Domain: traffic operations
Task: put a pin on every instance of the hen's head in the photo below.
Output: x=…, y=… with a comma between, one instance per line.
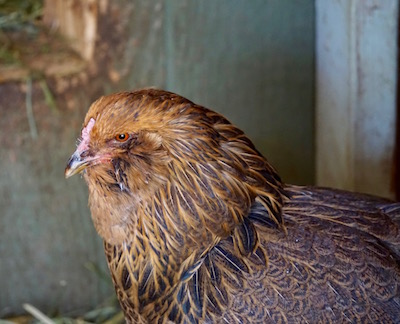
x=132, y=130
x=155, y=148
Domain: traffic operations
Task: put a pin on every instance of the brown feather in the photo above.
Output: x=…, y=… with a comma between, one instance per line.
x=198, y=227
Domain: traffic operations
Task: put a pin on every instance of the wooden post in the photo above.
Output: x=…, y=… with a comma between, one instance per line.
x=75, y=19
x=356, y=94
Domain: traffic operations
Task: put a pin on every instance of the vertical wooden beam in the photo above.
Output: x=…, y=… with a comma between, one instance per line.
x=396, y=161
x=76, y=20
x=356, y=94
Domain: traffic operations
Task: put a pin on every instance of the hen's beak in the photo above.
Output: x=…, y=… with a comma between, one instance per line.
x=76, y=164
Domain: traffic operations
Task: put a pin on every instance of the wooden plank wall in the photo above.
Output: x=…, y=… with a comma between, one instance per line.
x=251, y=60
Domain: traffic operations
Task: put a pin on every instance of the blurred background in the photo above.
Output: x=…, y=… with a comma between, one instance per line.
x=312, y=82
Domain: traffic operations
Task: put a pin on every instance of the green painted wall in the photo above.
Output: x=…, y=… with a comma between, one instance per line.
x=251, y=60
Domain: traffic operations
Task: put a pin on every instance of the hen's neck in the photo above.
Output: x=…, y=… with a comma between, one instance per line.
x=157, y=238
x=162, y=251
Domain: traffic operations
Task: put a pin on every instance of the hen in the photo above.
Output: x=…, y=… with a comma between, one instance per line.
x=198, y=227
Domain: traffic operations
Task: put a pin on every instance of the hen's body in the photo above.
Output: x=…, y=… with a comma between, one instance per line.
x=337, y=261
x=199, y=228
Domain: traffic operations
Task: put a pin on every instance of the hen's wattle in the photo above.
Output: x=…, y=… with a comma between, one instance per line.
x=198, y=227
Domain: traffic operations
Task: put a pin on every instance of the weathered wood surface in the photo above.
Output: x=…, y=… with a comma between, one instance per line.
x=356, y=94
x=76, y=20
x=253, y=61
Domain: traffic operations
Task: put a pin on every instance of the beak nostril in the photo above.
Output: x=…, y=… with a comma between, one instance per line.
x=77, y=163
x=85, y=154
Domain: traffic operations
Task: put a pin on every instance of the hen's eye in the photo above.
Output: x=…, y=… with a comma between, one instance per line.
x=122, y=137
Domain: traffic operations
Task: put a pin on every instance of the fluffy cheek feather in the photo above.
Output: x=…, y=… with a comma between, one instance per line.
x=110, y=212
x=117, y=198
